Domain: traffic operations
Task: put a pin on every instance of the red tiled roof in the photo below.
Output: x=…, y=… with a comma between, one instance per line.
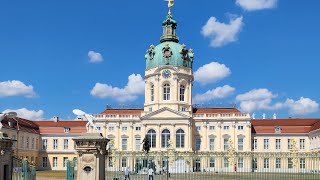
x=60, y=123
x=21, y=124
x=292, y=125
x=122, y=111
x=51, y=127
x=215, y=110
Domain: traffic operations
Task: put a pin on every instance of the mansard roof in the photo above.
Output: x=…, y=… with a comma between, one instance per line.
x=290, y=125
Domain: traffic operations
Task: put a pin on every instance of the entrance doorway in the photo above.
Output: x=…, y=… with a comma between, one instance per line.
x=6, y=172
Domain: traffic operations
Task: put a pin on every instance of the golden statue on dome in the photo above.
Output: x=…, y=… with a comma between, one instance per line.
x=170, y=4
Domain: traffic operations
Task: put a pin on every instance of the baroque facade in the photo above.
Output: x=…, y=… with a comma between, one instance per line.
x=206, y=135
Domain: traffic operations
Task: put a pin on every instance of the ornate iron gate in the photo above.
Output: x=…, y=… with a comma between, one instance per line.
x=71, y=169
x=22, y=169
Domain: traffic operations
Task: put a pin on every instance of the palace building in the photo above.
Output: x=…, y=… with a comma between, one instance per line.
x=203, y=139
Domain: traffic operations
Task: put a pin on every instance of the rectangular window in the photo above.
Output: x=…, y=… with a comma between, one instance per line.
x=125, y=128
x=138, y=144
x=265, y=143
x=37, y=143
x=211, y=128
x=290, y=163
x=278, y=163
x=66, y=144
x=124, y=162
x=254, y=144
x=44, y=144
x=198, y=128
x=110, y=128
x=289, y=143
x=138, y=128
x=166, y=92
x=182, y=91
x=240, y=128
x=66, y=130
x=198, y=143
x=14, y=143
x=254, y=163
x=55, y=143
x=55, y=161
x=278, y=144
x=28, y=141
x=124, y=144
x=226, y=162
x=152, y=93
x=302, y=163
x=226, y=144
x=302, y=144
x=266, y=163
x=44, y=161
x=226, y=128
x=211, y=144
x=240, y=144
x=21, y=142
x=32, y=143
x=65, y=159
x=240, y=163
x=212, y=162
x=110, y=162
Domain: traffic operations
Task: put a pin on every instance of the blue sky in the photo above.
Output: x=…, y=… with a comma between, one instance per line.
x=262, y=55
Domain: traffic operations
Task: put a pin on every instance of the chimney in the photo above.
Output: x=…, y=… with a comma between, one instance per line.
x=274, y=116
x=55, y=119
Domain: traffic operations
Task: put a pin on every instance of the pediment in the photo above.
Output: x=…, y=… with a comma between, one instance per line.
x=165, y=113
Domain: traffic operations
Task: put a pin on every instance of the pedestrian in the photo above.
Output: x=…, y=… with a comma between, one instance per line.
x=150, y=174
x=126, y=173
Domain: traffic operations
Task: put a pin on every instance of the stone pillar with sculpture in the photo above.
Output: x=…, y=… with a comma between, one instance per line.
x=91, y=151
x=6, y=153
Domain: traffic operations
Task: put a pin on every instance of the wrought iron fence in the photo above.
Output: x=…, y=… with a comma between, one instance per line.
x=218, y=165
x=22, y=169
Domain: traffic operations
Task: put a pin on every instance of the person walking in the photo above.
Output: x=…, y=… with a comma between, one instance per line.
x=126, y=174
x=150, y=174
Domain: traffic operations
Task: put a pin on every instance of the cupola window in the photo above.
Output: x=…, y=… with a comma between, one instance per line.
x=182, y=91
x=152, y=93
x=166, y=92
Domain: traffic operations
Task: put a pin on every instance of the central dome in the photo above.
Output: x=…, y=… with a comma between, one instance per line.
x=169, y=51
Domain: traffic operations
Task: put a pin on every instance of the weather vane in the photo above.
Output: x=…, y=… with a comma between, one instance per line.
x=170, y=4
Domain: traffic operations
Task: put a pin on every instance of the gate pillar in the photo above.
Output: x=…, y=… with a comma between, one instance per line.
x=91, y=151
x=5, y=157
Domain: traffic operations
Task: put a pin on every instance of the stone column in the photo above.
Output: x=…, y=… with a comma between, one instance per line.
x=91, y=150
x=6, y=152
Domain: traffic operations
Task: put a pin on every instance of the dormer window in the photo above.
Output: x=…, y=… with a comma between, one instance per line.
x=66, y=130
x=277, y=129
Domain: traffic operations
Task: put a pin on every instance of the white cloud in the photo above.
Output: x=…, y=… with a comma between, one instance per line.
x=130, y=92
x=261, y=99
x=217, y=93
x=95, y=57
x=256, y=94
x=16, y=88
x=27, y=114
x=210, y=73
x=302, y=106
x=252, y=5
x=222, y=33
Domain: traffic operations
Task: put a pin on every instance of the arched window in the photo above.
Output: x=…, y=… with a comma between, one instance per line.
x=166, y=92
x=182, y=91
x=180, y=139
x=165, y=136
x=151, y=135
x=152, y=93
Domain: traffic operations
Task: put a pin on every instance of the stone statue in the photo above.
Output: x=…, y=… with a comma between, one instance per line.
x=146, y=144
x=1, y=118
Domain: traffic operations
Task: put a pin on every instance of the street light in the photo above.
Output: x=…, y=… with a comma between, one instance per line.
x=8, y=115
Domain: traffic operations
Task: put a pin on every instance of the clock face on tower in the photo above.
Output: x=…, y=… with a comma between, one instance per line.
x=166, y=73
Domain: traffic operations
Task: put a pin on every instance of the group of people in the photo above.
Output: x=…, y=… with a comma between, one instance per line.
x=127, y=174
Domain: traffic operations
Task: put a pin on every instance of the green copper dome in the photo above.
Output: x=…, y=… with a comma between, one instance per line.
x=169, y=51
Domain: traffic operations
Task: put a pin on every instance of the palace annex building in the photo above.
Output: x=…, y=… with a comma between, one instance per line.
x=170, y=121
